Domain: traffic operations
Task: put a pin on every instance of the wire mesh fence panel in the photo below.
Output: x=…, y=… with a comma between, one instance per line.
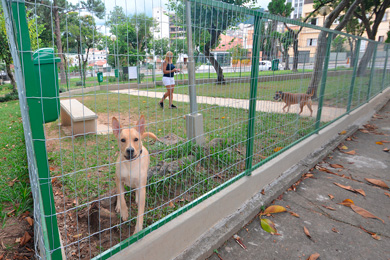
x=118, y=141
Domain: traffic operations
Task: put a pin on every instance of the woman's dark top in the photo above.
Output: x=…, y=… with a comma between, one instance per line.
x=170, y=67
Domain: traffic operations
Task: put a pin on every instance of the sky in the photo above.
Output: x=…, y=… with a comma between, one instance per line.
x=141, y=6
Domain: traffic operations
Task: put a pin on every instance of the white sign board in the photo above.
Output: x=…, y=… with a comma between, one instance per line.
x=132, y=72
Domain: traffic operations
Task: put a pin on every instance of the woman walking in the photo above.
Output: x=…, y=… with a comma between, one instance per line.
x=168, y=79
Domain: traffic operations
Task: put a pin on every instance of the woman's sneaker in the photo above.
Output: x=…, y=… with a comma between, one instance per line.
x=173, y=106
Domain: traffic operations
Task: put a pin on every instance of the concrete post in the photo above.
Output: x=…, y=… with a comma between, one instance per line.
x=194, y=121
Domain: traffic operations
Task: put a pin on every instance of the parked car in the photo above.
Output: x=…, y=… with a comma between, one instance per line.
x=267, y=65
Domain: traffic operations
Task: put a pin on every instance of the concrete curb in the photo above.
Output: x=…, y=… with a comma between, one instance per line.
x=195, y=233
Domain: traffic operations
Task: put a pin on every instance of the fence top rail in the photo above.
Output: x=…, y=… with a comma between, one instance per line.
x=262, y=14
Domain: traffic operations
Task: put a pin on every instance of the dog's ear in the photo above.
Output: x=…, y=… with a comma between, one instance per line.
x=116, y=126
x=141, y=124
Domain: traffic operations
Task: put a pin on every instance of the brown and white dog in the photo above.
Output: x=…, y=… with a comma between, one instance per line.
x=132, y=167
x=295, y=98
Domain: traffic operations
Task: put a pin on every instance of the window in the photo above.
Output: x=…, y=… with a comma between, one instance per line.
x=381, y=39
x=311, y=42
x=313, y=21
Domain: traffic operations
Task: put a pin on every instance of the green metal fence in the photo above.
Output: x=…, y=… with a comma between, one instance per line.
x=245, y=120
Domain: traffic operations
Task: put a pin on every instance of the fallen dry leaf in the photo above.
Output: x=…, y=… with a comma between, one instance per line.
x=274, y=209
x=277, y=149
x=30, y=221
x=344, y=147
x=384, y=141
x=364, y=131
x=386, y=150
x=314, y=256
x=262, y=192
x=347, y=203
x=306, y=231
x=25, y=239
x=352, y=152
x=171, y=204
x=327, y=207
x=360, y=191
x=294, y=214
x=364, y=213
x=336, y=165
x=377, y=183
x=387, y=194
x=379, y=143
x=375, y=236
x=331, y=196
x=335, y=230
x=343, y=132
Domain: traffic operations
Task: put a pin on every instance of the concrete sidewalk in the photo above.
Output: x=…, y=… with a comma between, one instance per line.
x=328, y=113
x=336, y=231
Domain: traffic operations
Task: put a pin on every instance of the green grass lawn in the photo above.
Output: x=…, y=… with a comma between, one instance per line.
x=15, y=192
x=5, y=89
x=92, y=81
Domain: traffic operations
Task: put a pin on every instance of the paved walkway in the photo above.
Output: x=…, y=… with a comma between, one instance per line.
x=328, y=113
x=337, y=231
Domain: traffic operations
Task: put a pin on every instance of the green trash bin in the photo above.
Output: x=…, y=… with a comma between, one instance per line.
x=116, y=73
x=100, y=77
x=45, y=68
x=275, y=64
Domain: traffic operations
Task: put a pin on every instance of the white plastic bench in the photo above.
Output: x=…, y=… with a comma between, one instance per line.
x=81, y=118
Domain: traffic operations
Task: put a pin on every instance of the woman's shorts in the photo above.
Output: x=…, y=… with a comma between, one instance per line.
x=167, y=81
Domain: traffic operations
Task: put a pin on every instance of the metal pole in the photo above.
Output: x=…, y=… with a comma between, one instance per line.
x=372, y=73
x=355, y=65
x=194, y=121
x=253, y=93
x=34, y=101
x=323, y=80
x=191, y=63
x=385, y=67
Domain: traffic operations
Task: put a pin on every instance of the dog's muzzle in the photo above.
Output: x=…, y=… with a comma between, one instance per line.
x=130, y=154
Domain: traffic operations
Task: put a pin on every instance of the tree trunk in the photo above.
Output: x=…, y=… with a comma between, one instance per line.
x=57, y=32
x=362, y=69
x=11, y=76
x=318, y=64
x=296, y=53
x=214, y=62
x=287, y=61
x=214, y=38
x=322, y=41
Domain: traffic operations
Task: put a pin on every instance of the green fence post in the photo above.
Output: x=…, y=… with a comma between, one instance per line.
x=372, y=72
x=385, y=67
x=355, y=64
x=34, y=101
x=253, y=93
x=323, y=80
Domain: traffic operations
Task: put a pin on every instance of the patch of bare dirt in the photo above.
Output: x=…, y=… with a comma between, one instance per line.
x=17, y=238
